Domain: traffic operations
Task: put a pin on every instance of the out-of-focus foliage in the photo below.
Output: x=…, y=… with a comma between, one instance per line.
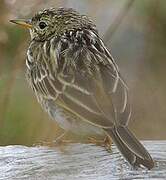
x=134, y=32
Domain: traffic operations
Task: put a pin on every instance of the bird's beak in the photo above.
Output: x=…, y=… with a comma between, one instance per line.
x=22, y=22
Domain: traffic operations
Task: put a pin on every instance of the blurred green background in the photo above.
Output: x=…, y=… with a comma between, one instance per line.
x=135, y=33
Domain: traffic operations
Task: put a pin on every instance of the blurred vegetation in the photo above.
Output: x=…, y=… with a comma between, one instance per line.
x=135, y=33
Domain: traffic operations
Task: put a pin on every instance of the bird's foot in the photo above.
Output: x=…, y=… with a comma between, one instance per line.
x=106, y=142
x=59, y=141
x=93, y=140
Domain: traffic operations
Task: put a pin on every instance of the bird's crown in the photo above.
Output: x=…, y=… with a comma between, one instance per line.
x=54, y=22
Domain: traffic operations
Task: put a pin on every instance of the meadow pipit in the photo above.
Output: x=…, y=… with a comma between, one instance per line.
x=77, y=81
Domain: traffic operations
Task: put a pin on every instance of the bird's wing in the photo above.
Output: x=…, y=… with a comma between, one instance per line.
x=97, y=86
x=84, y=79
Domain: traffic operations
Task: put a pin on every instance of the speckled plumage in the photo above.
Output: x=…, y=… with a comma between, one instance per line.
x=78, y=82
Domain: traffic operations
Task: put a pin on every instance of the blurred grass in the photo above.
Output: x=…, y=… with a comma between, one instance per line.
x=24, y=121
x=138, y=47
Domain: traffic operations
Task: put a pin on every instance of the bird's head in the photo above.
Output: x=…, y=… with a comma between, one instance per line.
x=54, y=22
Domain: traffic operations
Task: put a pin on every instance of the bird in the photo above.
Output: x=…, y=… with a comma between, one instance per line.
x=77, y=81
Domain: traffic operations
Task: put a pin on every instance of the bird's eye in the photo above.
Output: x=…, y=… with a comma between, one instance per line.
x=42, y=25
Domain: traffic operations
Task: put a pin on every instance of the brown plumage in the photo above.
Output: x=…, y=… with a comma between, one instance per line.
x=78, y=82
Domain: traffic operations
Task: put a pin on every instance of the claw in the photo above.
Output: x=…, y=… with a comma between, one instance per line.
x=108, y=143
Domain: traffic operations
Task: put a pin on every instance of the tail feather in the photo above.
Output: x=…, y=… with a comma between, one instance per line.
x=130, y=147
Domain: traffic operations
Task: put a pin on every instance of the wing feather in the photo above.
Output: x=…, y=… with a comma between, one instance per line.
x=86, y=83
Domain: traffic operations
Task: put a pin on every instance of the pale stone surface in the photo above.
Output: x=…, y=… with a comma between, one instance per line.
x=78, y=161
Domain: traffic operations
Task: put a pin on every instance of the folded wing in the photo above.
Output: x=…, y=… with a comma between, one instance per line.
x=82, y=78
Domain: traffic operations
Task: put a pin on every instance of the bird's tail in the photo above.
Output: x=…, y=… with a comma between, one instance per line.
x=130, y=147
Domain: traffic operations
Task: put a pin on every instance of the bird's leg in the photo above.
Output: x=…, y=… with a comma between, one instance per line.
x=93, y=140
x=106, y=142
x=58, y=141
